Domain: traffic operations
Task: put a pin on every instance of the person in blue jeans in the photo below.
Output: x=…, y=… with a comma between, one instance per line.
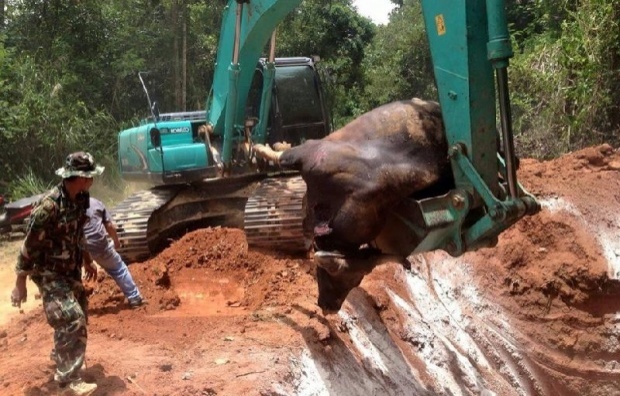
x=102, y=242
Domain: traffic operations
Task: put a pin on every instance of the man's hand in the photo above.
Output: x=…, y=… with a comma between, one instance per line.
x=91, y=271
x=20, y=292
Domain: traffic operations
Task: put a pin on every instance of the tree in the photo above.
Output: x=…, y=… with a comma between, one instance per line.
x=398, y=63
x=332, y=30
x=1, y=14
x=565, y=80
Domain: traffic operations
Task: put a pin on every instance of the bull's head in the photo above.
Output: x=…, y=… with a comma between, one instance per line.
x=338, y=274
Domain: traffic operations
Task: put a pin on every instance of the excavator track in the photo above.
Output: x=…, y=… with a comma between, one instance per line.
x=132, y=217
x=269, y=209
x=274, y=215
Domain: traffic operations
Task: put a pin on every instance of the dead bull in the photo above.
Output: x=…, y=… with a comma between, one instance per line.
x=355, y=176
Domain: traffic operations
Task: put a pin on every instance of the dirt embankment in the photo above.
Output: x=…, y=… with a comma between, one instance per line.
x=536, y=315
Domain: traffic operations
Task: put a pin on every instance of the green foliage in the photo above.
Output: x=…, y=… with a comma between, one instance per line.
x=398, y=63
x=41, y=123
x=531, y=18
x=27, y=185
x=565, y=83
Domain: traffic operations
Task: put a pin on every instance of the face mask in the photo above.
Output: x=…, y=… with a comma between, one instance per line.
x=82, y=199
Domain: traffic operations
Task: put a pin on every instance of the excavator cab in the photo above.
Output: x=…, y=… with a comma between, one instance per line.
x=298, y=109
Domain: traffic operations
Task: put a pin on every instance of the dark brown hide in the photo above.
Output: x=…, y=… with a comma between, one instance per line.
x=356, y=175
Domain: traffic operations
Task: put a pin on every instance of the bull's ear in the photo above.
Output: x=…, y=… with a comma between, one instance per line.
x=332, y=262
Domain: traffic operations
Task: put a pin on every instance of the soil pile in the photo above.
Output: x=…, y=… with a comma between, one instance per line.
x=535, y=315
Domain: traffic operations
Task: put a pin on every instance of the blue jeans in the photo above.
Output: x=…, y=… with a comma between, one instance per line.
x=114, y=266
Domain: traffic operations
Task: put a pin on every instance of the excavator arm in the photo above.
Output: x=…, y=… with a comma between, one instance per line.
x=246, y=28
x=470, y=48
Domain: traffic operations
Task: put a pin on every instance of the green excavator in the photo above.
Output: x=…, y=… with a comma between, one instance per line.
x=206, y=174
x=201, y=162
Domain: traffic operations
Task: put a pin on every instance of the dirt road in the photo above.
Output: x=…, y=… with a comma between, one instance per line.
x=536, y=315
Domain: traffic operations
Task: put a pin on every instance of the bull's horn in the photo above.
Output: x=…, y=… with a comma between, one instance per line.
x=266, y=152
x=327, y=254
x=281, y=146
x=332, y=262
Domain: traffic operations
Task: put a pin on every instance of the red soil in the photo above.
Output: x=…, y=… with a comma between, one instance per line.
x=534, y=315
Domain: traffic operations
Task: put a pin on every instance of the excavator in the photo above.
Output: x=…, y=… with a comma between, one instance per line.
x=207, y=174
x=201, y=162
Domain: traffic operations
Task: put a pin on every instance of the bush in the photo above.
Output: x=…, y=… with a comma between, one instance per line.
x=565, y=86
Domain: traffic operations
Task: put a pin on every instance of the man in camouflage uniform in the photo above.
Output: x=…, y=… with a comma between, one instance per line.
x=52, y=255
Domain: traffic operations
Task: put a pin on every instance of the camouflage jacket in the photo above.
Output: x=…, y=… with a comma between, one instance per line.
x=55, y=237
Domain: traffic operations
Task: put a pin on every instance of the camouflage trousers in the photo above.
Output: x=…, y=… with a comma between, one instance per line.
x=65, y=305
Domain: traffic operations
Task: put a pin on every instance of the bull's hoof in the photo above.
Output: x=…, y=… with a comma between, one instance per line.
x=331, y=302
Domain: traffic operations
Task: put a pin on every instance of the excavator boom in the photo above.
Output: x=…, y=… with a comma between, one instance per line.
x=246, y=29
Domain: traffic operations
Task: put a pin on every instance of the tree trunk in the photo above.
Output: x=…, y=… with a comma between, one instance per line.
x=176, y=54
x=184, y=59
x=1, y=14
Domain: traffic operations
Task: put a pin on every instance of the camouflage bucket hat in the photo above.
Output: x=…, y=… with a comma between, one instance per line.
x=80, y=164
